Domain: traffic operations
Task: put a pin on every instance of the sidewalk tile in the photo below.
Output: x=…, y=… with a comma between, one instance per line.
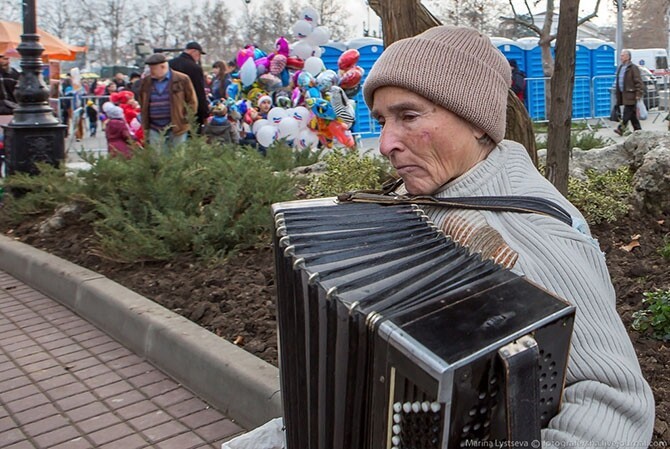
x=87, y=411
x=164, y=431
x=124, y=399
x=7, y=423
x=129, y=442
x=159, y=388
x=34, y=414
x=11, y=384
x=19, y=393
x=172, y=397
x=137, y=409
x=57, y=381
x=143, y=380
x=33, y=401
x=66, y=391
x=11, y=436
x=109, y=434
x=218, y=430
x=99, y=422
x=202, y=418
x=46, y=425
x=115, y=389
x=136, y=370
x=187, y=407
x=183, y=441
x=75, y=443
x=57, y=436
x=150, y=420
x=76, y=401
x=102, y=379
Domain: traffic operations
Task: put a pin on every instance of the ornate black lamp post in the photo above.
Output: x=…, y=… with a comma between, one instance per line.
x=34, y=134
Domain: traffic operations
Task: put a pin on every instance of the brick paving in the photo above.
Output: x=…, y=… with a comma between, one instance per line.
x=66, y=384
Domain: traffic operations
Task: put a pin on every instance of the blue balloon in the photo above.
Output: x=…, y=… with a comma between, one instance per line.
x=258, y=53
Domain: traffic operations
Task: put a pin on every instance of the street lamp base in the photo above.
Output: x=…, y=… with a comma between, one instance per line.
x=25, y=146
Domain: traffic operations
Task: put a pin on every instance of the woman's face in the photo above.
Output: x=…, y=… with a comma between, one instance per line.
x=427, y=144
x=215, y=71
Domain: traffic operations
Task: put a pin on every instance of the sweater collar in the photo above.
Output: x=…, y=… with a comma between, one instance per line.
x=482, y=173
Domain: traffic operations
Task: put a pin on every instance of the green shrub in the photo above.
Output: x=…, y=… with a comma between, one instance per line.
x=587, y=140
x=282, y=157
x=202, y=199
x=347, y=170
x=664, y=251
x=36, y=195
x=584, y=140
x=655, y=318
x=602, y=197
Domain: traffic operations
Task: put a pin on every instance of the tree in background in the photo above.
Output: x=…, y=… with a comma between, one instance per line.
x=396, y=26
x=480, y=14
x=646, y=23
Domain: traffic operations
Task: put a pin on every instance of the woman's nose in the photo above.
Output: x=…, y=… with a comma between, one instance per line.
x=388, y=140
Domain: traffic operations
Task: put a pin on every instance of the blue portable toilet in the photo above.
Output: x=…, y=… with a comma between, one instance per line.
x=581, y=91
x=512, y=50
x=535, y=82
x=370, y=49
x=603, y=70
x=331, y=52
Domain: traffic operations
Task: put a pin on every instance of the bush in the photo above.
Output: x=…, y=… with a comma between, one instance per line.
x=602, y=197
x=585, y=140
x=656, y=317
x=664, y=251
x=204, y=199
x=37, y=195
x=347, y=170
x=282, y=157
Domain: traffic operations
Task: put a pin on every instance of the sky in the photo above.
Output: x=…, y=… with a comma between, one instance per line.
x=361, y=13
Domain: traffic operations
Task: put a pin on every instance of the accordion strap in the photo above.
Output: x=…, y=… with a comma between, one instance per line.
x=509, y=203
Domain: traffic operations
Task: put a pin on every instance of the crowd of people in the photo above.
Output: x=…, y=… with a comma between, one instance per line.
x=154, y=106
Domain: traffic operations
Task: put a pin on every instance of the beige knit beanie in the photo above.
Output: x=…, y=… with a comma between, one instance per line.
x=455, y=67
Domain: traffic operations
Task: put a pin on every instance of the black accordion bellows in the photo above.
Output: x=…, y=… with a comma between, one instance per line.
x=393, y=336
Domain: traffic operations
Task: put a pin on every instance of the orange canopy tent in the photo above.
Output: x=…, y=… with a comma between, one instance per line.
x=54, y=48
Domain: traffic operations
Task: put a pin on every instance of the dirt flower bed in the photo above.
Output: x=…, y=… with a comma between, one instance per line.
x=235, y=300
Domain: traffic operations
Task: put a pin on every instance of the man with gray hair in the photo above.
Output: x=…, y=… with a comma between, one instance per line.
x=443, y=125
x=629, y=89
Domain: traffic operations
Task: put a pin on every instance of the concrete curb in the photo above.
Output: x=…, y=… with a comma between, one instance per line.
x=240, y=385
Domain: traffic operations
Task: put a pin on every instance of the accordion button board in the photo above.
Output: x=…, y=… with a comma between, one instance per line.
x=392, y=336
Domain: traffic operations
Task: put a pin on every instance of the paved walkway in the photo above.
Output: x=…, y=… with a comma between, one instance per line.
x=66, y=384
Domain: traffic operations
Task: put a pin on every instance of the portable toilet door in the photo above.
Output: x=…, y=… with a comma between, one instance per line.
x=581, y=92
x=370, y=49
x=331, y=52
x=535, y=82
x=511, y=50
x=603, y=72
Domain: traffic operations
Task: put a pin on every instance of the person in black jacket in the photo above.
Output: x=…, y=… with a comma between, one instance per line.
x=188, y=62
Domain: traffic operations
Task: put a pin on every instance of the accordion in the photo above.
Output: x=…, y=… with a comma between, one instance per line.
x=391, y=335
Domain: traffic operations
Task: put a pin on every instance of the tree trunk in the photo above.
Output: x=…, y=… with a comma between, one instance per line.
x=407, y=18
x=402, y=18
x=560, y=115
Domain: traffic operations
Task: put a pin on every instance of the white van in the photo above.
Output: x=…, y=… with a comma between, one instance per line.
x=655, y=59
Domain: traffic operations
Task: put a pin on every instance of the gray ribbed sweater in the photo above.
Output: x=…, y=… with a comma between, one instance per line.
x=606, y=398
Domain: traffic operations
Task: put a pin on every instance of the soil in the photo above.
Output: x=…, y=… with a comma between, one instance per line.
x=235, y=299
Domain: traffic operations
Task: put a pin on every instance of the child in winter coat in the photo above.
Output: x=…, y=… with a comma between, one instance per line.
x=219, y=129
x=92, y=114
x=119, y=137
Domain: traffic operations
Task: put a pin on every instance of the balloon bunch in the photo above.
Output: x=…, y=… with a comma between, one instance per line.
x=311, y=103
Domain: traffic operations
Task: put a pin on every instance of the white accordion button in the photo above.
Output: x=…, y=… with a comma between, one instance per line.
x=435, y=407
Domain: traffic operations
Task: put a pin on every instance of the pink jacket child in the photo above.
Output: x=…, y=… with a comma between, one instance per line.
x=118, y=135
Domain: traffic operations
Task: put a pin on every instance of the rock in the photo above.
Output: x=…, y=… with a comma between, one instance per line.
x=630, y=153
x=651, y=182
x=57, y=220
x=660, y=426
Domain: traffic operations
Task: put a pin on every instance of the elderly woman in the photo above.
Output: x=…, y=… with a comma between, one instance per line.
x=440, y=98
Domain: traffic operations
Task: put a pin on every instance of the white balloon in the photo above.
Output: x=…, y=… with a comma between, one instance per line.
x=288, y=128
x=248, y=72
x=302, y=116
x=267, y=135
x=318, y=51
x=310, y=15
x=258, y=124
x=302, y=50
x=314, y=65
x=319, y=36
x=307, y=139
x=276, y=114
x=302, y=29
